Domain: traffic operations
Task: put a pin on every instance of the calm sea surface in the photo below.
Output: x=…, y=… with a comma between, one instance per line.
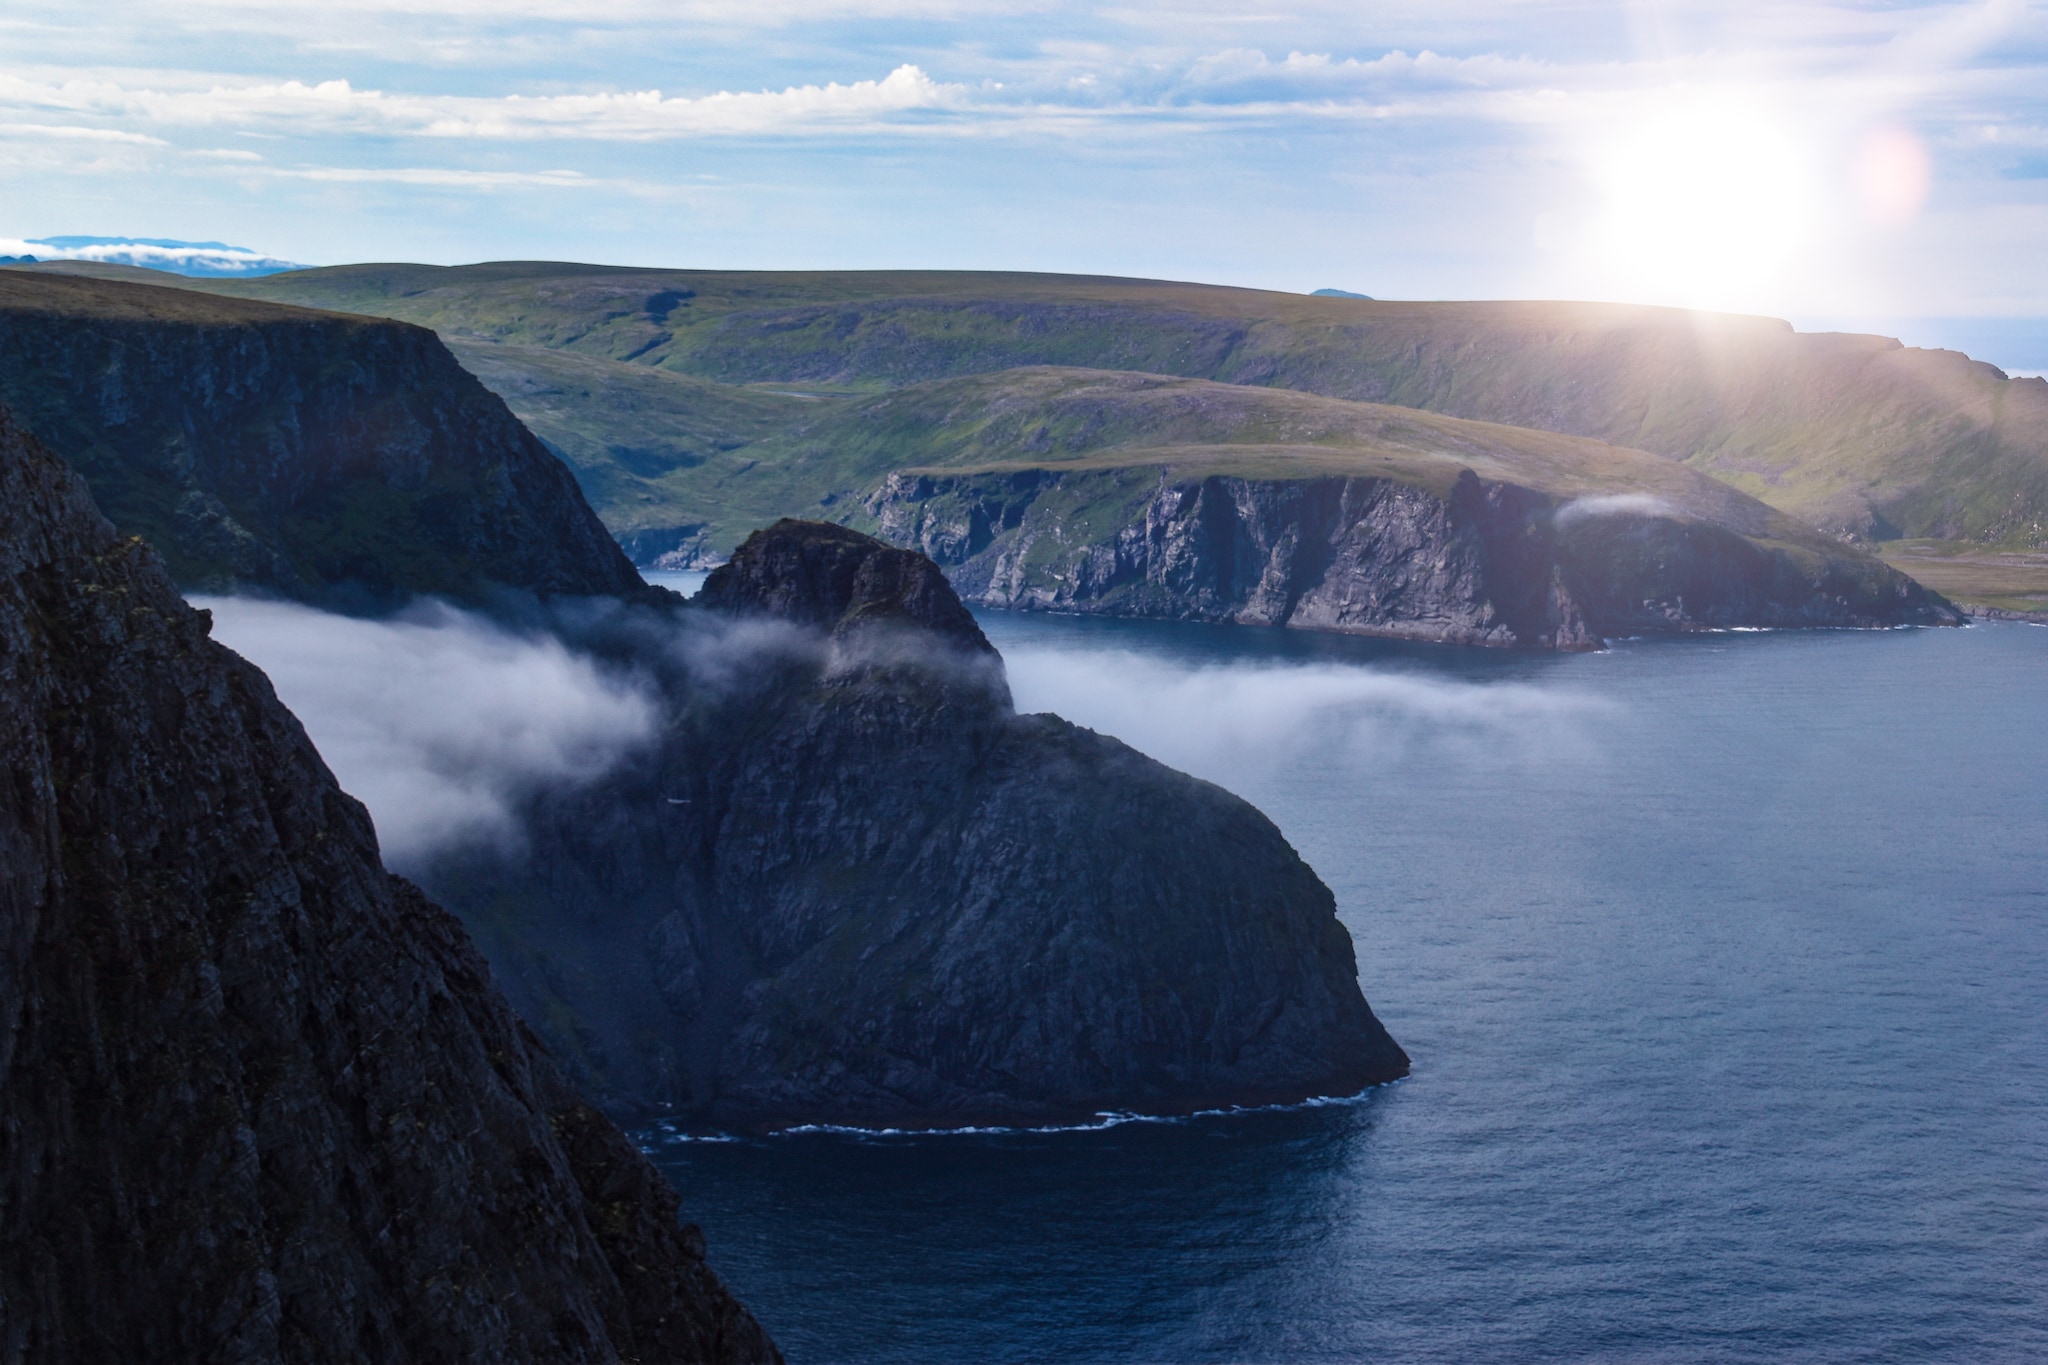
x=1723, y=962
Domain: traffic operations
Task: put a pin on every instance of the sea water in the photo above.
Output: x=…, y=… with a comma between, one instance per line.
x=1723, y=963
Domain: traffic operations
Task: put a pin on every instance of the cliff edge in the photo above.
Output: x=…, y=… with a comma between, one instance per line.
x=338, y=460
x=260, y=1100
x=850, y=884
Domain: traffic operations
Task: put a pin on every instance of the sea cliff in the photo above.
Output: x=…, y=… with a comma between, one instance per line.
x=339, y=460
x=1486, y=562
x=852, y=885
x=260, y=1099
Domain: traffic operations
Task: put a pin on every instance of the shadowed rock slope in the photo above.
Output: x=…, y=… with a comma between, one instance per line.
x=259, y=1101
x=851, y=884
x=338, y=460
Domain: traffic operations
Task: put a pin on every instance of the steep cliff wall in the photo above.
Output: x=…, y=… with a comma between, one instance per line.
x=852, y=885
x=1484, y=562
x=323, y=457
x=259, y=1101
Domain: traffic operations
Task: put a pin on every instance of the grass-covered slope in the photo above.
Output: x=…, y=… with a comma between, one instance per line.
x=636, y=436
x=1986, y=582
x=832, y=459
x=1852, y=434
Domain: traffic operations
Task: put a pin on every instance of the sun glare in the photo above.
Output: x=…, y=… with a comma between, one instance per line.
x=1704, y=206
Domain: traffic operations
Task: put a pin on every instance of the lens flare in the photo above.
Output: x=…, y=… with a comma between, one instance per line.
x=1893, y=175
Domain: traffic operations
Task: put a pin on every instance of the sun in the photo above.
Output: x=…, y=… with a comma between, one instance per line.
x=1704, y=205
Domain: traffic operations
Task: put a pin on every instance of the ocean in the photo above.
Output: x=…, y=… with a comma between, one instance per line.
x=1723, y=962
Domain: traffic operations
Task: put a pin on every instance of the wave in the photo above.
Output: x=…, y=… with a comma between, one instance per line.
x=674, y=1134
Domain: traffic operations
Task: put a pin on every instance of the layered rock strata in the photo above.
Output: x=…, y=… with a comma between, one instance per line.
x=259, y=1100
x=852, y=885
x=1488, y=562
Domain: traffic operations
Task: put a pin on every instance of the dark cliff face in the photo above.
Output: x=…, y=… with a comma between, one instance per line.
x=857, y=887
x=261, y=1101
x=816, y=574
x=1485, y=563
x=337, y=460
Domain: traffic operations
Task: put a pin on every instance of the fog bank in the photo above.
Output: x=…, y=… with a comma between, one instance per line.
x=438, y=720
x=1239, y=720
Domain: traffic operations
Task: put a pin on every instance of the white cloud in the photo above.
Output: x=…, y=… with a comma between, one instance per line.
x=79, y=134
x=339, y=106
x=441, y=176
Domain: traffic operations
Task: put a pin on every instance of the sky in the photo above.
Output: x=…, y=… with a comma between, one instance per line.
x=1810, y=160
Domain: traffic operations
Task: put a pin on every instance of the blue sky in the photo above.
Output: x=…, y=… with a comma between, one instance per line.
x=1806, y=159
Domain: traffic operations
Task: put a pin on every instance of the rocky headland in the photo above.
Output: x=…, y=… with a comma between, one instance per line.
x=851, y=884
x=1137, y=495
x=259, y=1100
x=1489, y=562
x=344, y=461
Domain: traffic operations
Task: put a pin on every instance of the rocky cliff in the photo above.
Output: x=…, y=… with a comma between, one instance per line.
x=1483, y=562
x=259, y=1100
x=334, y=459
x=851, y=884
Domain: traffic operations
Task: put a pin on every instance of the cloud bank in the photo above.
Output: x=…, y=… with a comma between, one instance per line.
x=212, y=259
x=439, y=721
x=1239, y=723
x=295, y=106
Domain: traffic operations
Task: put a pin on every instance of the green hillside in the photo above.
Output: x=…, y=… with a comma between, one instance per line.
x=688, y=400
x=1853, y=434
x=1052, y=418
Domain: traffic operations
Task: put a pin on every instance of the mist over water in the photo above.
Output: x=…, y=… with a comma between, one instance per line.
x=1721, y=963
x=439, y=720
x=1236, y=720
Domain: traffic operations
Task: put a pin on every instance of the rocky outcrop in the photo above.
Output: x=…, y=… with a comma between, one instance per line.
x=1484, y=562
x=259, y=1100
x=334, y=459
x=852, y=885
x=817, y=574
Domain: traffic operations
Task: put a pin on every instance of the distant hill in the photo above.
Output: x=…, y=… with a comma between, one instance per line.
x=1855, y=435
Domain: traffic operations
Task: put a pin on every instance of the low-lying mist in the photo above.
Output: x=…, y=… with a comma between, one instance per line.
x=1614, y=505
x=443, y=722
x=1239, y=720
x=438, y=720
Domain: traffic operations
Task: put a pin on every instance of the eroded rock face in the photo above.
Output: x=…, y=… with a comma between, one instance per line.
x=338, y=460
x=852, y=885
x=1487, y=563
x=259, y=1100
